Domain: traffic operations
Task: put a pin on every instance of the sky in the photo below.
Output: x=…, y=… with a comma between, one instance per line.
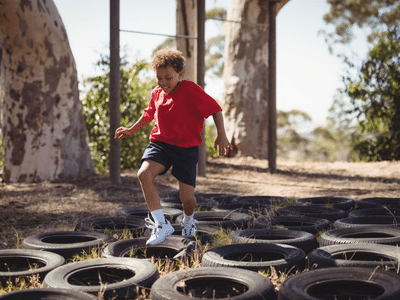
x=308, y=75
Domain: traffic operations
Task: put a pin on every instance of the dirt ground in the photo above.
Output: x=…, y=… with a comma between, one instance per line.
x=30, y=208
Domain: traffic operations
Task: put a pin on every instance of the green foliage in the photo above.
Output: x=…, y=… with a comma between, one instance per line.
x=344, y=14
x=136, y=87
x=375, y=99
x=211, y=135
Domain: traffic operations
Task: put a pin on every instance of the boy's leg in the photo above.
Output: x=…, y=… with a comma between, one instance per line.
x=186, y=195
x=146, y=174
x=161, y=228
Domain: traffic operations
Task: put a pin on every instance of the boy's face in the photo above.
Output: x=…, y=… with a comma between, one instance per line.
x=168, y=78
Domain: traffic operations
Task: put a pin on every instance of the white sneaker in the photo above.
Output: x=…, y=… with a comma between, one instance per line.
x=159, y=231
x=189, y=229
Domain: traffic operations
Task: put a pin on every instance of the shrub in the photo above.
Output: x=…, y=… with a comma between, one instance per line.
x=136, y=87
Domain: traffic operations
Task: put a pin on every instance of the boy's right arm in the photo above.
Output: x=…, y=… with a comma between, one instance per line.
x=123, y=131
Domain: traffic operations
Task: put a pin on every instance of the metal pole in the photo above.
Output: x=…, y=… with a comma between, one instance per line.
x=272, y=88
x=201, y=17
x=115, y=94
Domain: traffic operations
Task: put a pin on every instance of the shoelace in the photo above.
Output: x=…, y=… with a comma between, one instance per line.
x=187, y=227
x=150, y=224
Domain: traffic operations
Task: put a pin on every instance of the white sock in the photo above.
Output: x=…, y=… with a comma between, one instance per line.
x=158, y=216
x=186, y=218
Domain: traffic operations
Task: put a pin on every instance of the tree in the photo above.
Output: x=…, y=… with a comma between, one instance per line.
x=372, y=14
x=136, y=87
x=246, y=77
x=44, y=134
x=375, y=97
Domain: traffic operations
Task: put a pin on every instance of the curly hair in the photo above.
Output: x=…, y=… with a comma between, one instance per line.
x=165, y=57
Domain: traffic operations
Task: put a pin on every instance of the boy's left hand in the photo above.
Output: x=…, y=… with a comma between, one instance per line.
x=222, y=145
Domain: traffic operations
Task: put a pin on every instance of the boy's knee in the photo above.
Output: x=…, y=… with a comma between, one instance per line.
x=187, y=198
x=143, y=175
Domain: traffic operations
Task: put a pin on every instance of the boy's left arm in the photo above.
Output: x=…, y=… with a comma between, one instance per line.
x=221, y=142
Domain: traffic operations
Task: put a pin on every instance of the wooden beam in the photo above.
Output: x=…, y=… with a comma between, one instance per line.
x=201, y=18
x=272, y=89
x=115, y=94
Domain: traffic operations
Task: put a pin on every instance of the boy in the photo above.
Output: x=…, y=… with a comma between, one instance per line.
x=178, y=108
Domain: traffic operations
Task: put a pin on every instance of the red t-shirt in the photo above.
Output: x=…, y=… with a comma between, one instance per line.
x=179, y=116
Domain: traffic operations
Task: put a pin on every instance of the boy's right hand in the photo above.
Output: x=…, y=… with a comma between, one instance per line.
x=121, y=132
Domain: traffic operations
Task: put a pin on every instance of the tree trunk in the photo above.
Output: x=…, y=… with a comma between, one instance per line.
x=186, y=24
x=246, y=77
x=44, y=133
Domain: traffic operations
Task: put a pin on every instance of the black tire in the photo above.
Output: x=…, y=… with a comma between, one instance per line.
x=246, y=208
x=378, y=211
x=255, y=257
x=204, y=232
x=213, y=283
x=341, y=283
x=173, y=247
x=356, y=255
x=308, y=224
x=361, y=234
x=47, y=293
x=201, y=202
x=377, y=202
x=314, y=211
x=224, y=219
x=143, y=211
x=219, y=197
x=260, y=200
x=67, y=243
x=300, y=239
x=341, y=203
x=23, y=263
x=366, y=221
x=117, y=277
x=113, y=225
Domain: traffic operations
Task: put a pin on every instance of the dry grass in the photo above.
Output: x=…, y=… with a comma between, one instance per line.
x=31, y=208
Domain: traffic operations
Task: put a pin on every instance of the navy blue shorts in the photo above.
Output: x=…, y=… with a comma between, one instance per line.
x=183, y=160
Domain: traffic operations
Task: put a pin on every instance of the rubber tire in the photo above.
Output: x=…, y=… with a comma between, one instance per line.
x=300, y=239
x=366, y=221
x=167, y=287
x=246, y=208
x=144, y=275
x=11, y=259
x=282, y=257
x=257, y=204
x=314, y=211
x=219, y=197
x=263, y=200
x=377, y=202
x=341, y=203
x=359, y=255
x=47, y=293
x=174, y=247
x=224, y=219
x=308, y=224
x=143, y=211
x=201, y=202
x=113, y=224
x=322, y=284
x=376, y=211
x=67, y=243
x=361, y=234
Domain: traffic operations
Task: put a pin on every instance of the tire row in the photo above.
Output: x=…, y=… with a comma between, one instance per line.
x=360, y=248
